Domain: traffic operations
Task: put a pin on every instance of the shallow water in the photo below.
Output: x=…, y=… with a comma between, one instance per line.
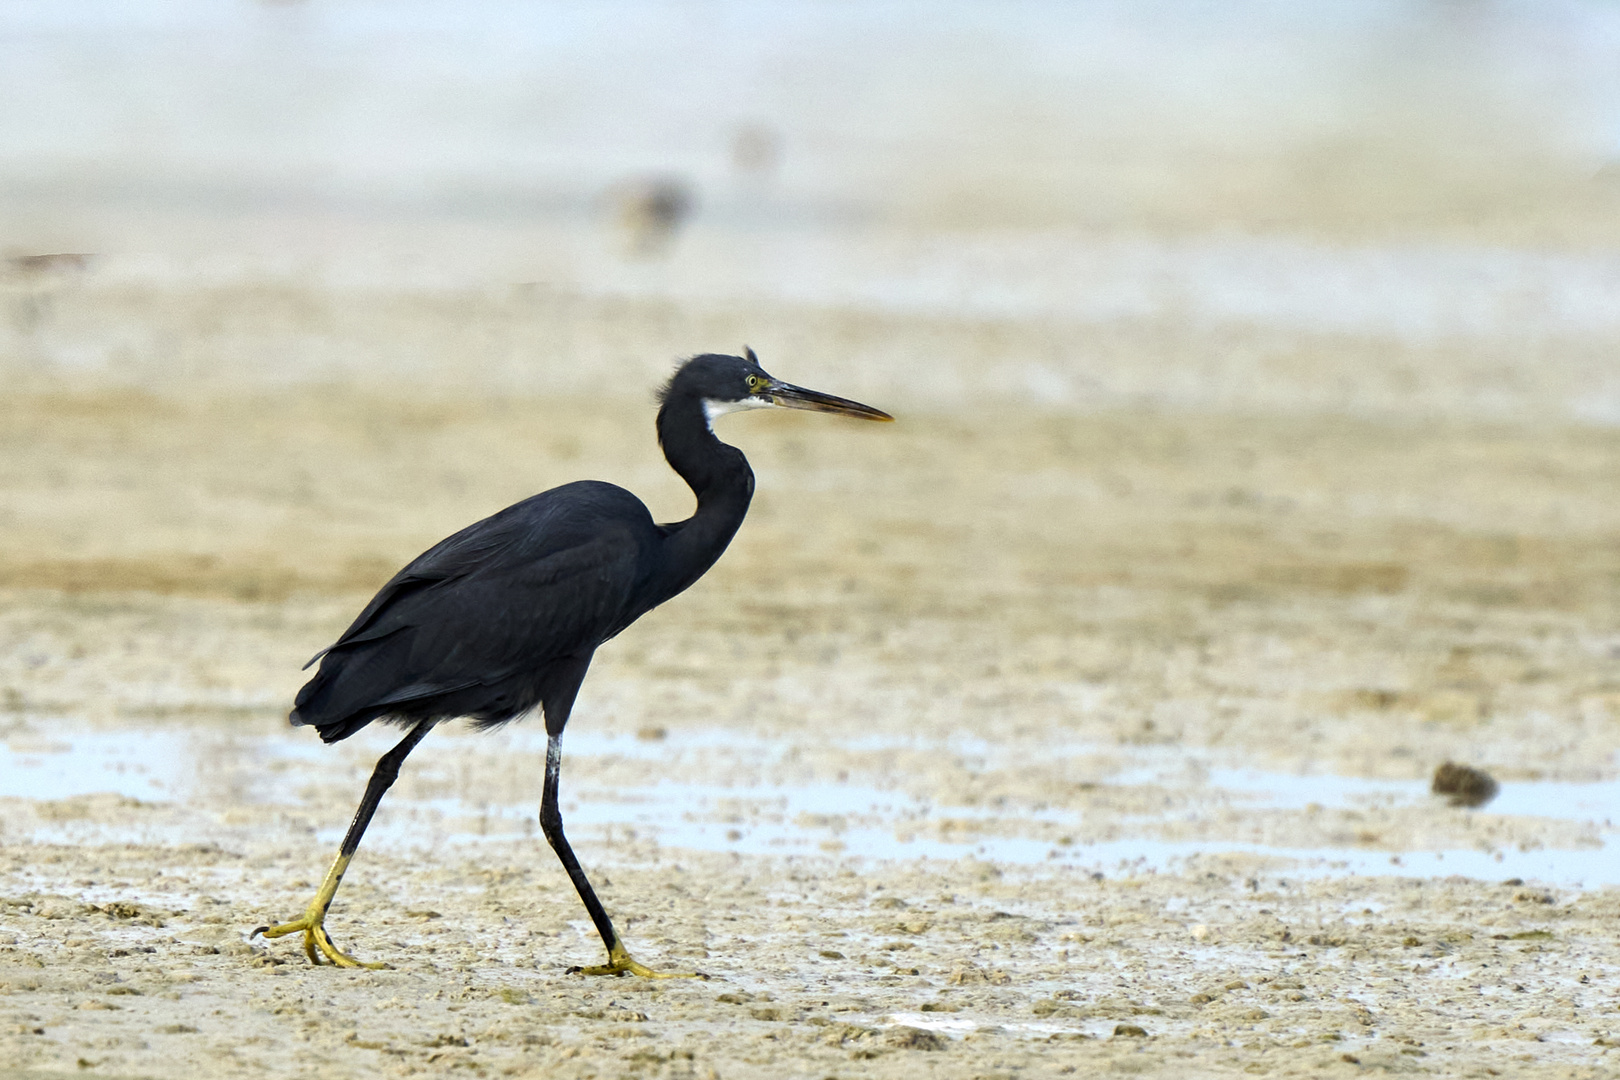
x=206, y=770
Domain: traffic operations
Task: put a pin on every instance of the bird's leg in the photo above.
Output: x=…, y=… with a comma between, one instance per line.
x=620, y=962
x=317, y=942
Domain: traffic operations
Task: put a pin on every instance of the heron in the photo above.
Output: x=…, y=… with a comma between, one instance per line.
x=502, y=618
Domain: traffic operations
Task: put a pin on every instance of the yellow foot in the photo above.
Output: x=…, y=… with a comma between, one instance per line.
x=620, y=962
x=317, y=942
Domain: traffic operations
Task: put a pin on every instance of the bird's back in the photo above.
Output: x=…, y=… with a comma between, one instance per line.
x=485, y=623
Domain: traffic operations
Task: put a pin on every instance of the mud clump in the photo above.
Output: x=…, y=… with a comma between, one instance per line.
x=910, y=1038
x=1463, y=785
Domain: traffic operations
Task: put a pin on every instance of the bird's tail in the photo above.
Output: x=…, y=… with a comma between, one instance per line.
x=345, y=694
x=368, y=681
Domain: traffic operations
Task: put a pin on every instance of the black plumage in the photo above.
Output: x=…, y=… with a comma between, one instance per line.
x=504, y=616
x=494, y=620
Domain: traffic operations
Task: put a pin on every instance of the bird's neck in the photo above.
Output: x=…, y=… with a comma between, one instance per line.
x=718, y=475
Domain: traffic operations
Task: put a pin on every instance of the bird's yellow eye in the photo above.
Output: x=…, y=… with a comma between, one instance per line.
x=754, y=382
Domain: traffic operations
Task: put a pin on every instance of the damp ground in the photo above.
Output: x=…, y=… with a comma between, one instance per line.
x=1027, y=743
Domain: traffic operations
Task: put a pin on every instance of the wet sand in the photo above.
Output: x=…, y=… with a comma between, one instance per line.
x=1259, y=453
x=879, y=774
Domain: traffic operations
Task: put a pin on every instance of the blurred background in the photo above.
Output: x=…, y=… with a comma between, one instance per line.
x=1211, y=325
x=1064, y=203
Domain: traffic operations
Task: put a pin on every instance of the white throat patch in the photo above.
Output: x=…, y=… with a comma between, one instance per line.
x=713, y=407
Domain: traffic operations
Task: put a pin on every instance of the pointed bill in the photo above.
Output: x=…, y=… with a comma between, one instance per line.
x=788, y=396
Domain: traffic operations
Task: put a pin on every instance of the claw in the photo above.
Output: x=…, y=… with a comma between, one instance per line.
x=317, y=942
x=620, y=962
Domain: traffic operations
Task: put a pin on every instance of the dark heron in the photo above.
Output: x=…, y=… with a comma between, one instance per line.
x=504, y=616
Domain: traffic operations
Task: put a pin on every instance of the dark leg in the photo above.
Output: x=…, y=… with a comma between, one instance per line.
x=619, y=960
x=317, y=942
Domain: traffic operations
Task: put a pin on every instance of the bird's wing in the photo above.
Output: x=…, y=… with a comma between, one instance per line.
x=454, y=557
x=540, y=579
x=547, y=578
x=484, y=626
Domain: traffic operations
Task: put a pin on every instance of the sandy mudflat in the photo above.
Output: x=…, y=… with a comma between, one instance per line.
x=1259, y=452
x=1009, y=744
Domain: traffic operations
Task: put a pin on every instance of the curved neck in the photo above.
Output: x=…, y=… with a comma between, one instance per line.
x=720, y=478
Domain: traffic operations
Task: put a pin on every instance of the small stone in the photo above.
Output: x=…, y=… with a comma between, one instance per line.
x=910, y=1038
x=1463, y=785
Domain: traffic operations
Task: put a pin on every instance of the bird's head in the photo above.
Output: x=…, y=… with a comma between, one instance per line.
x=730, y=383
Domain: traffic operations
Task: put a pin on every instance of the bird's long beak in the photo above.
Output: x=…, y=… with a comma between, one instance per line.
x=789, y=396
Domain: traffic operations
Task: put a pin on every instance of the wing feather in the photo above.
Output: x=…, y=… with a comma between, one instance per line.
x=549, y=577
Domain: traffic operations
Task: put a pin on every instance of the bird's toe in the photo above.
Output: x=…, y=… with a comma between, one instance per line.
x=620, y=962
